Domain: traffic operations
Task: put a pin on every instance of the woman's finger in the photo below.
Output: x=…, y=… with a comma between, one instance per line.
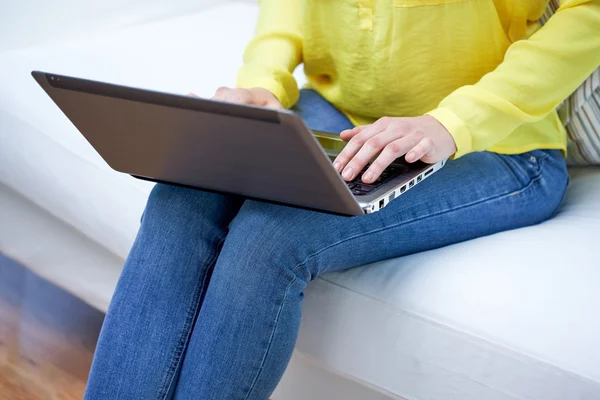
x=370, y=149
x=353, y=146
x=395, y=149
x=420, y=150
x=350, y=133
x=221, y=93
x=274, y=104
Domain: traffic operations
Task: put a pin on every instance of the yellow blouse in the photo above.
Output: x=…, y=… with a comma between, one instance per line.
x=484, y=68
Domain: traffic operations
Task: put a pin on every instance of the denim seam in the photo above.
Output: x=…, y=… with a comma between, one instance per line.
x=562, y=200
x=493, y=198
x=263, y=361
x=564, y=195
x=184, y=339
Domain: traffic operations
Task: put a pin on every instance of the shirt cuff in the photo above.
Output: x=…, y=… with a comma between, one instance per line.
x=457, y=128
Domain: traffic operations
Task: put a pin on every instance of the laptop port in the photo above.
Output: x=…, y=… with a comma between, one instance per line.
x=429, y=172
x=411, y=184
x=381, y=203
x=403, y=189
x=392, y=196
x=419, y=178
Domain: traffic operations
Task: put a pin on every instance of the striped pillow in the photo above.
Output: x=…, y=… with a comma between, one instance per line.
x=580, y=114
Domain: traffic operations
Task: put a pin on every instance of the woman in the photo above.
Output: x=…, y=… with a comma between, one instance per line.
x=208, y=305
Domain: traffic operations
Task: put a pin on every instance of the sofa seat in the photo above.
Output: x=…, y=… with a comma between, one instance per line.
x=509, y=316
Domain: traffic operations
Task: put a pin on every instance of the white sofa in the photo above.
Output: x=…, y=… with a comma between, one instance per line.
x=505, y=317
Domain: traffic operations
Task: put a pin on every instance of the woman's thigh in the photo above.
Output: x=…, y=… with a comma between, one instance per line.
x=319, y=114
x=476, y=195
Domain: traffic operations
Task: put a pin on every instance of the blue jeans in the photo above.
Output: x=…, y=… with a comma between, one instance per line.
x=208, y=304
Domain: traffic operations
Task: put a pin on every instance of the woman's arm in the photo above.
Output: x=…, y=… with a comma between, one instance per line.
x=275, y=52
x=537, y=74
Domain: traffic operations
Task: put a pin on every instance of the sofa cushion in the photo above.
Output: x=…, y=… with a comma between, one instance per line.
x=508, y=316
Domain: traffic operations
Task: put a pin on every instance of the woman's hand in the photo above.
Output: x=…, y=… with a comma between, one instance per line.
x=255, y=96
x=420, y=138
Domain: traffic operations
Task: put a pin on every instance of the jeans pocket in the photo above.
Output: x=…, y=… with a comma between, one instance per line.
x=525, y=167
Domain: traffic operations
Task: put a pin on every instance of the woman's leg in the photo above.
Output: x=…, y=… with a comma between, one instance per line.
x=247, y=327
x=158, y=295
x=160, y=291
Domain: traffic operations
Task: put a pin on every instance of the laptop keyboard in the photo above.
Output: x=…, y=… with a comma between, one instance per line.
x=358, y=188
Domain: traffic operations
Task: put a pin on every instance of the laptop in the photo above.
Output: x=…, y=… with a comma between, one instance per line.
x=249, y=151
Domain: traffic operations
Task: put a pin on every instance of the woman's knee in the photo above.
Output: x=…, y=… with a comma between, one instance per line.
x=166, y=201
x=170, y=204
x=258, y=265
x=268, y=238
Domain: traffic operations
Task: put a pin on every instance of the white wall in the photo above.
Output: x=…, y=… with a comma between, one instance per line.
x=25, y=23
